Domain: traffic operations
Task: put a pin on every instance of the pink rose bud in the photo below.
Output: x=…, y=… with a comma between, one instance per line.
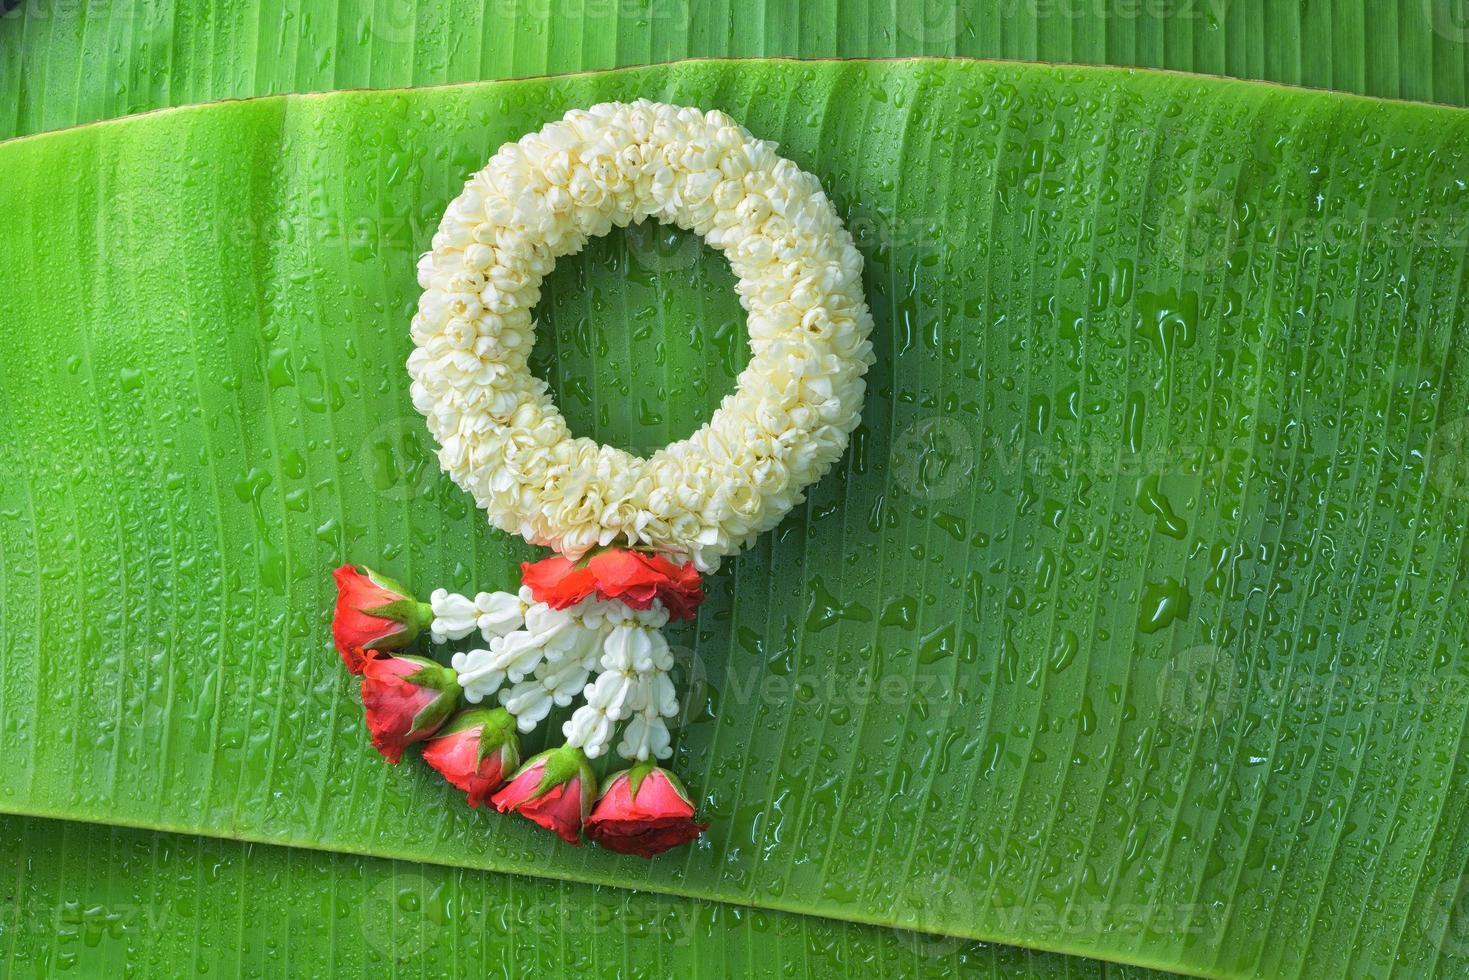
x=645, y=811
x=554, y=789
x=407, y=700
x=374, y=614
x=476, y=751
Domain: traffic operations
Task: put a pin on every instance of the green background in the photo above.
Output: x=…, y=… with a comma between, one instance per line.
x=69, y=61
x=278, y=516
x=113, y=902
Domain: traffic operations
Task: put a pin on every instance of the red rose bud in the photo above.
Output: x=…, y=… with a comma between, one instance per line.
x=554, y=789
x=374, y=614
x=635, y=578
x=476, y=751
x=644, y=811
x=557, y=581
x=407, y=700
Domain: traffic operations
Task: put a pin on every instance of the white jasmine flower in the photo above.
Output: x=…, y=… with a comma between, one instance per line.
x=589, y=728
x=554, y=683
x=500, y=612
x=646, y=737
x=517, y=654
x=549, y=635
x=529, y=702
x=477, y=674
x=500, y=435
x=629, y=647
x=455, y=616
x=633, y=683
x=557, y=659
x=492, y=613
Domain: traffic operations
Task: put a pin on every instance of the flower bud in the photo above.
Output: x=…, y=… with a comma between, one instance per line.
x=558, y=582
x=635, y=578
x=645, y=811
x=407, y=700
x=476, y=751
x=554, y=789
x=374, y=614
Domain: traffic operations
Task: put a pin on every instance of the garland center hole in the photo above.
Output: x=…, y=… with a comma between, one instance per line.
x=640, y=336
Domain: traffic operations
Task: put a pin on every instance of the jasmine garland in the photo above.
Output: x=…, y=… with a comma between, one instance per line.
x=632, y=534
x=501, y=437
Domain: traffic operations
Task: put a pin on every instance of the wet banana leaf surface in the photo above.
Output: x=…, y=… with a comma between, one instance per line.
x=68, y=61
x=86, y=900
x=1131, y=626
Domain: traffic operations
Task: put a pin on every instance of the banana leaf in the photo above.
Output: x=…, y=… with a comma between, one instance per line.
x=1129, y=627
x=69, y=61
x=114, y=902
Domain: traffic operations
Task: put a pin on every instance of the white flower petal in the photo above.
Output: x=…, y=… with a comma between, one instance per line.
x=799, y=275
x=590, y=729
x=454, y=616
x=477, y=674
x=498, y=613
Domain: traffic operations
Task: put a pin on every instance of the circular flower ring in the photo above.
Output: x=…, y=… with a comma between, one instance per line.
x=500, y=435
